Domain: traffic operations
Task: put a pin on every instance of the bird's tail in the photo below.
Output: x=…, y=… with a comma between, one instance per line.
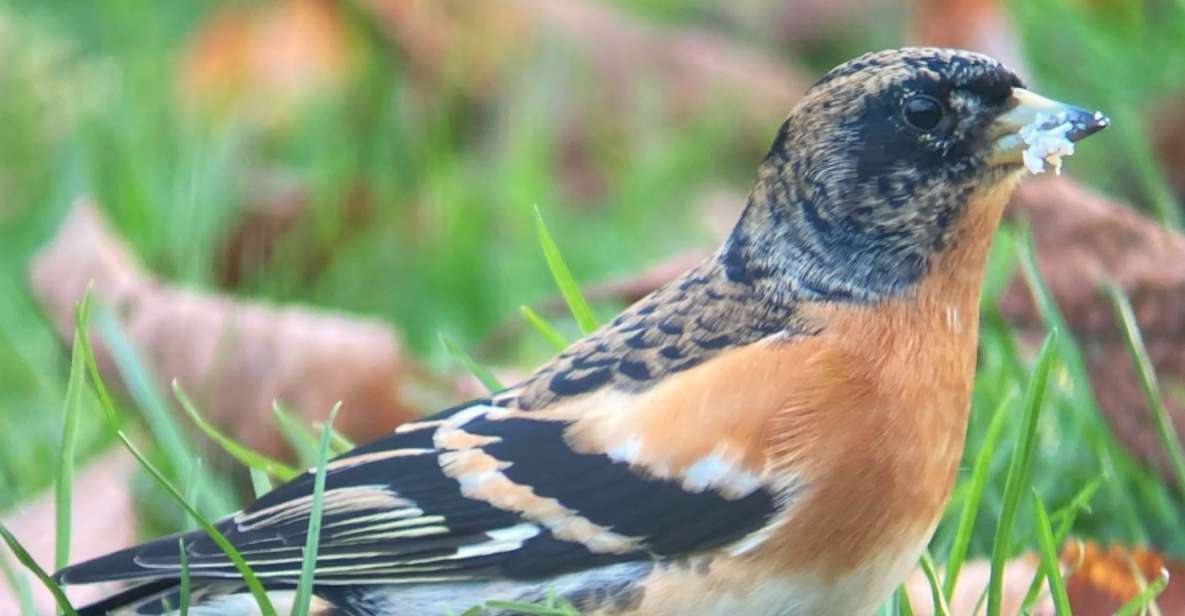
x=132, y=599
x=207, y=598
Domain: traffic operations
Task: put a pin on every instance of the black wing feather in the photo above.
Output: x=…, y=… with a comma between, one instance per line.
x=437, y=533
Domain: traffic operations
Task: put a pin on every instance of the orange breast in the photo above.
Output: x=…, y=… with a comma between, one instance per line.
x=881, y=444
x=863, y=422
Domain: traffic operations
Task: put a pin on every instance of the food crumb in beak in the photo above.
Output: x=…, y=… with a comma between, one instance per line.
x=1046, y=145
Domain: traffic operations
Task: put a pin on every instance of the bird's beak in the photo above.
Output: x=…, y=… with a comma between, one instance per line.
x=1031, y=116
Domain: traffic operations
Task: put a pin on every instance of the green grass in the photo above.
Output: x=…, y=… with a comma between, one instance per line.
x=479, y=372
x=1148, y=381
x=1018, y=470
x=304, y=589
x=64, y=482
x=22, y=556
x=245, y=456
x=1050, y=564
x=1140, y=603
x=109, y=411
x=938, y=601
x=451, y=238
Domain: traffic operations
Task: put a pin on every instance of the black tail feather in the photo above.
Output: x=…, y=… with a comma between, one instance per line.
x=116, y=566
x=127, y=597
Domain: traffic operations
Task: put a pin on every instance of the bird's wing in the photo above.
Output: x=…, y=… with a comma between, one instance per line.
x=481, y=493
x=544, y=478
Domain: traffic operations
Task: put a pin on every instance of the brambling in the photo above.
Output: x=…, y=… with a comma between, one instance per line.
x=773, y=433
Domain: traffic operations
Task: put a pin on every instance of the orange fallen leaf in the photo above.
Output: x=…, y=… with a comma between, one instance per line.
x=1105, y=579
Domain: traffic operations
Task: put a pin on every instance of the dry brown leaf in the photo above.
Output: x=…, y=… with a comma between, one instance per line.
x=102, y=519
x=1104, y=579
x=233, y=356
x=687, y=67
x=690, y=67
x=1169, y=140
x=1082, y=240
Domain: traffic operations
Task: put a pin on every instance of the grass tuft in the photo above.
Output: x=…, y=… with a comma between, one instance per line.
x=157, y=413
x=1018, y=470
x=979, y=478
x=249, y=578
x=1066, y=516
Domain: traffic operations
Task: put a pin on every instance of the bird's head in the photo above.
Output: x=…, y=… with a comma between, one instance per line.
x=873, y=170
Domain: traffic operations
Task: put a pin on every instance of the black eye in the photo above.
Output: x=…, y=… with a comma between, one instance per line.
x=923, y=112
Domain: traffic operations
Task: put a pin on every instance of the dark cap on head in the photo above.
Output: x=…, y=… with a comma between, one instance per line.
x=872, y=168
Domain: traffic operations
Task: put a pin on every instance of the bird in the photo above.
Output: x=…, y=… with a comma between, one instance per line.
x=773, y=433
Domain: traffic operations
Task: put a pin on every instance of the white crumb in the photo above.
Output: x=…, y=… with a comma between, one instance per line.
x=1046, y=145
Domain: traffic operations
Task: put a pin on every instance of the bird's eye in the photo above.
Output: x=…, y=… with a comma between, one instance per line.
x=923, y=112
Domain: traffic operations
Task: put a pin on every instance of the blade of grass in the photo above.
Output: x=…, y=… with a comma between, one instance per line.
x=64, y=484
x=1018, y=470
x=260, y=483
x=158, y=415
x=549, y=333
x=1148, y=381
x=903, y=605
x=304, y=589
x=479, y=372
x=338, y=442
x=563, y=278
x=1110, y=455
x=1066, y=517
x=191, y=492
x=1146, y=596
x=183, y=598
x=1049, y=560
x=250, y=459
x=20, y=587
x=516, y=607
x=295, y=433
x=979, y=477
x=26, y=559
x=904, y=608
x=249, y=578
x=940, y=606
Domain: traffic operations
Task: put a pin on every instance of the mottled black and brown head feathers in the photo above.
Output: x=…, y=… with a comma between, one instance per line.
x=867, y=174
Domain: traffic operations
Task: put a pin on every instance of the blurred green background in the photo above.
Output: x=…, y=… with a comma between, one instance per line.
x=405, y=145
